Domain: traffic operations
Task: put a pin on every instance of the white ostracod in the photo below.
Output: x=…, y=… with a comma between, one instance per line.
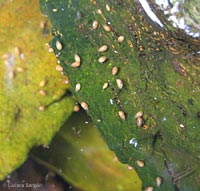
x=42, y=108
x=59, y=45
x=50, y=50
x=107, y=7
x=75, y=64
x=139, y=114
x=42, y=92
x=120, y=39
x=78, y=87
x=105, y=85
x=140, y=163
x=103, y=48
x=95, y=24
x=55, y=10
x=20, y=69
x=149, y=188
x=76, y=108
x=158, y=181
x=102, y=59
x=77, y=58
x=99, y=11
x=17, y=50
x=139, y=121
x=59, y=68
x=115, y=70
x=119, y=83
x=43, y=83
x=122, y=115
x=106, y=28
x=84, y=105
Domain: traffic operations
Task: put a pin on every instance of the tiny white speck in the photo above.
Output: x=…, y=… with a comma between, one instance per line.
x=133, y=142
x=22, y=56
x=111, y=101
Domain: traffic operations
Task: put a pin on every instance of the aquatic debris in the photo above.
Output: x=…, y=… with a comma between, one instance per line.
x=133, y=142
x=179, y=67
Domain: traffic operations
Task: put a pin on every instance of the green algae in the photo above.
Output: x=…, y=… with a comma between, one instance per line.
x=160, y=74
x=33, y=99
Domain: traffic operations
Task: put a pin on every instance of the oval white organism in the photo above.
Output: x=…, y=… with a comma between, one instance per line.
x=75, y=64
x=84, y=105
x=115, y=70
x=95, y=24
x=122, y=115
x=102, y=59
x=78, y=87
x=119, y=83
x=140, y=163
x=103, y=48
x=59, y=45
x=120, y=39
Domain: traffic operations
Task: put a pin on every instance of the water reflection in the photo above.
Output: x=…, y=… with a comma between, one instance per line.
x=150, y=13
x=182, y=14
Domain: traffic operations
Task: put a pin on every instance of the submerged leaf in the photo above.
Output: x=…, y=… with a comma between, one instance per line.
x=81, y=157
x=33, y=100
x=158, y=74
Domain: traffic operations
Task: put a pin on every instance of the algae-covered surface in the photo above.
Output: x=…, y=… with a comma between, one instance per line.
x=33, y=95
x=157, y=78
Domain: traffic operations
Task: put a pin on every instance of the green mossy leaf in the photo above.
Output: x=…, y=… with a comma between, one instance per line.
x=24, y=64
x=81, y=157
x=160, y=74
